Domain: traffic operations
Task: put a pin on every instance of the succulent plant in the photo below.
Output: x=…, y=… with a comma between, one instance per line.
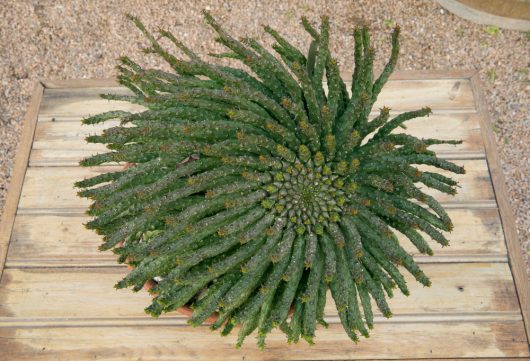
x=254, y=191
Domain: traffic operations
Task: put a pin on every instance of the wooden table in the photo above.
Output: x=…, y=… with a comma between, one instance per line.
x=56, y=296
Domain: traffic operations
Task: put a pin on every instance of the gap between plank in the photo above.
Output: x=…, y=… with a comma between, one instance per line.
x=111, y=262
x=463, y=155
x=81, y=211
x=181, y=320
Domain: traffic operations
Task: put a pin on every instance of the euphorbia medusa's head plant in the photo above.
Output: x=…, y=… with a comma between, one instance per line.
x=254, y=190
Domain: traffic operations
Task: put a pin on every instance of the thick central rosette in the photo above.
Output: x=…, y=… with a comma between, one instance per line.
x=309, y=193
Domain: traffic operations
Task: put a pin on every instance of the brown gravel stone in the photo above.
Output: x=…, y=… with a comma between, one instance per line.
x=82, y=39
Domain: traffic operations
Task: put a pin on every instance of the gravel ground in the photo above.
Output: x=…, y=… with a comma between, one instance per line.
x=82, y=39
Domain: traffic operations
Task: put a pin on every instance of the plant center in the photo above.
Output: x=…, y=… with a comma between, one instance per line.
x=309, y=196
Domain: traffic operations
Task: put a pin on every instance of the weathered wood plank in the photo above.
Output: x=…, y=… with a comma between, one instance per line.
x=457, y=288
x=61, y=157
x=82, y=102
x=52, y=187
x=442, y=95
x=346, y=75
x=404, y=341
x=474, y=185
x=62, y=240
x=19, y=170
x=63, y=142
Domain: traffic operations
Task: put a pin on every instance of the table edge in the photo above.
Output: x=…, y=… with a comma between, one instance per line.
x=20, y=165
x=515, y=257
